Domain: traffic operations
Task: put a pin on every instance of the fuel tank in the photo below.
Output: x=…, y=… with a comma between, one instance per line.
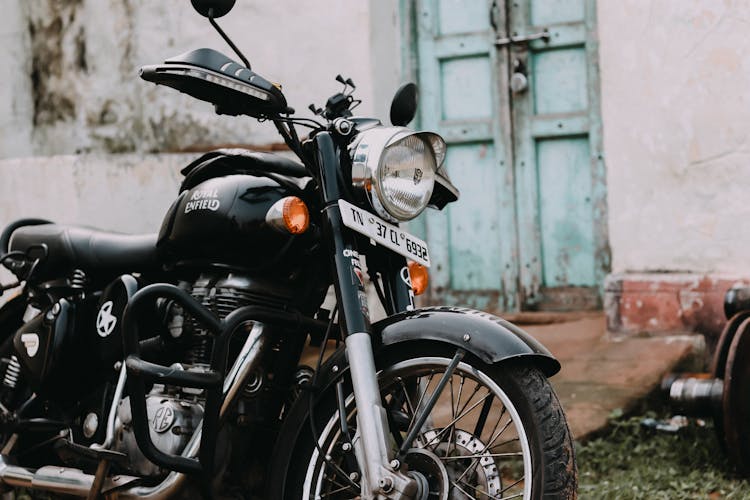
x=222, y=221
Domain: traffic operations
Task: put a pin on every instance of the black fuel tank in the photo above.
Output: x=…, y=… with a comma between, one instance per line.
x=223, y=220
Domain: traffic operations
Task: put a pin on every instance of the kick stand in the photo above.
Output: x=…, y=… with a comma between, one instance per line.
x=102, y=470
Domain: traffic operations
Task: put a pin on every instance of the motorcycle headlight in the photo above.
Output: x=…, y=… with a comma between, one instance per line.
x=395, y=168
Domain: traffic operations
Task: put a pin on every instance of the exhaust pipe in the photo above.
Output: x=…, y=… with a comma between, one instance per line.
x=64, y=480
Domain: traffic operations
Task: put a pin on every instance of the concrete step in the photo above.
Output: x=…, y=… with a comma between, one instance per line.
x=602, y=373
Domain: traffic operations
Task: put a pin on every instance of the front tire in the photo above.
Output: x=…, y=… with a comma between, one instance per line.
x=497, y=431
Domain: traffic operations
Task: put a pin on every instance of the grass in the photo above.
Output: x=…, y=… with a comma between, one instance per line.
x=632, y=462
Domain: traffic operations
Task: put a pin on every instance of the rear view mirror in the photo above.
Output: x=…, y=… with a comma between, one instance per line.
x=220, y=7
x=404, y=105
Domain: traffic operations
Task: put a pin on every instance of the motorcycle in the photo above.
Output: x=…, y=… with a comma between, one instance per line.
x=168, y=365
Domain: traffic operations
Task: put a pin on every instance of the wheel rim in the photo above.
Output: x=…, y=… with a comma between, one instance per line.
x=474, y=429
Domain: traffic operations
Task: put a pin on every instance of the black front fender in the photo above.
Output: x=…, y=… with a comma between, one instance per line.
x=488, y=337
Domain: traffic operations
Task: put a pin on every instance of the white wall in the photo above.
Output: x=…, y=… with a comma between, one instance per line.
x=676, y=113
x=127, y=193
x=87, y=54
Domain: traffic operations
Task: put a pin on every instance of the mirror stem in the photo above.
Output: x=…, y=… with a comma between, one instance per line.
x=227, y=39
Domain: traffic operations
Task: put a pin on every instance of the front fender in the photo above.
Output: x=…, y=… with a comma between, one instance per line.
x=488, y=337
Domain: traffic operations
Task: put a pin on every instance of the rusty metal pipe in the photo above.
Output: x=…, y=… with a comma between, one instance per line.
x=697, y=397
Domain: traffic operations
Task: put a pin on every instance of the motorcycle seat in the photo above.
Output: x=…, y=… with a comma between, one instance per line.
x=74, y=247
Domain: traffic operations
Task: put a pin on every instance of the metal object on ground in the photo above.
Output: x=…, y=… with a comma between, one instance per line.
x=725, y=341
x=736, y=401
x=723, y=394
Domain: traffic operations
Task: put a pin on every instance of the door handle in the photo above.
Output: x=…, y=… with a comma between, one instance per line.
x=542, y=35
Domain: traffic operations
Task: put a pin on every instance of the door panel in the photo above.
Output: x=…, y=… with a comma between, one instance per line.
x=459, y=16
x=460, y=76
x=466, y=92
x=557, y=158
x=556, y=11
x=565, y=215
x=473, y=268
x=560, y=81
x=530, y=228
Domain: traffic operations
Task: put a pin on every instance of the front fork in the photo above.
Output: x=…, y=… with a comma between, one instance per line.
x=380, y=478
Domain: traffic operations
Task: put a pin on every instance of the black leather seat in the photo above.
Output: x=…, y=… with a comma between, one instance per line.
x=98, y=252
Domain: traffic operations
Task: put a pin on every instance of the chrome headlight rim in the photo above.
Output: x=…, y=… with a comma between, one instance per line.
x=367, y=152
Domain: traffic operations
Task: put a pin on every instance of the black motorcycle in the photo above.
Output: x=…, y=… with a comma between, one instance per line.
x=168, y=366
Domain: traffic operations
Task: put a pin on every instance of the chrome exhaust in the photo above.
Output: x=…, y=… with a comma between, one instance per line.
x=75, y=482
x=64, y=480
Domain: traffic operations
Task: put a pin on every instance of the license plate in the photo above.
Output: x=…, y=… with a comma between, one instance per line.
x=384, y=234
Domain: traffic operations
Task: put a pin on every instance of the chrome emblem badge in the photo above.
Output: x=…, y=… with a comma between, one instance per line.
x=105, y=320
x=31, y=343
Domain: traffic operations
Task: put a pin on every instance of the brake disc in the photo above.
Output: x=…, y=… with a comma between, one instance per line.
x=484, y=474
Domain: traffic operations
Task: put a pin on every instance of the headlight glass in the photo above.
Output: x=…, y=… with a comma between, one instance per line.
x=406, y=177
x=395, y=168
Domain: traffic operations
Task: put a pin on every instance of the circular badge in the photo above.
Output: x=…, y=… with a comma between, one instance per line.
x=163, y=419
x=105, y=320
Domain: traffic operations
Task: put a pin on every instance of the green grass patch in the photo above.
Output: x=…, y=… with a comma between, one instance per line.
x=633, y=462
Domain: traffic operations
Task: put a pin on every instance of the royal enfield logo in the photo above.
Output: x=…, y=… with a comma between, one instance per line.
x=417, y=175
x=203, y=199
x=31, y=343
x=105, y=320
x=163, y=419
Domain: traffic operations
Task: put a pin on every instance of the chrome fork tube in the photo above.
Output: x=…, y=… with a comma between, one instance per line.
x=372, y=422
x=377, y=478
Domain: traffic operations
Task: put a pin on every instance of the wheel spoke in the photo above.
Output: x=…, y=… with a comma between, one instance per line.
x=512, y=485
x=493, y=497
x=453, y=416
x=408, y=398
x=342, y=487
x=474, y=392
x=455, y=484
x=462, y=415
x=419, y=402
x=486, y=460
x=472, y=466
x=483, y=414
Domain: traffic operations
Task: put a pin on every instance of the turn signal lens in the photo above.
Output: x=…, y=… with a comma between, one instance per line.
x=420, y=278
x=289, y=215
x=296, y=216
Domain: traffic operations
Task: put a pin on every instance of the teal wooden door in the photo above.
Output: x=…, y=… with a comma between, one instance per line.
x=521, y=119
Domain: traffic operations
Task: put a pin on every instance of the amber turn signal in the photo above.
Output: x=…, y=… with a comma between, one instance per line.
x=289, y=215
x=420, y=278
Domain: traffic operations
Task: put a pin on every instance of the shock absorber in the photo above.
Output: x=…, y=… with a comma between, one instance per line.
x=12, y=373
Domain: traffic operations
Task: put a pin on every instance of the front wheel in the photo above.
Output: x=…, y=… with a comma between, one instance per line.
x=497, y=431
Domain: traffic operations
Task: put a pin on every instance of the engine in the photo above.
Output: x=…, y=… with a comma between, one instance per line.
x=173, y=412
x=173, y=416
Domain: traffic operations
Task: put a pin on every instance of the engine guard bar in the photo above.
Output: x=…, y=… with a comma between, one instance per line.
x=141, y=372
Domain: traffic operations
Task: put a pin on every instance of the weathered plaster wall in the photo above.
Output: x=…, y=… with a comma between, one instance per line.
x=676, y=112
x=72, y=68
x=127, y=193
